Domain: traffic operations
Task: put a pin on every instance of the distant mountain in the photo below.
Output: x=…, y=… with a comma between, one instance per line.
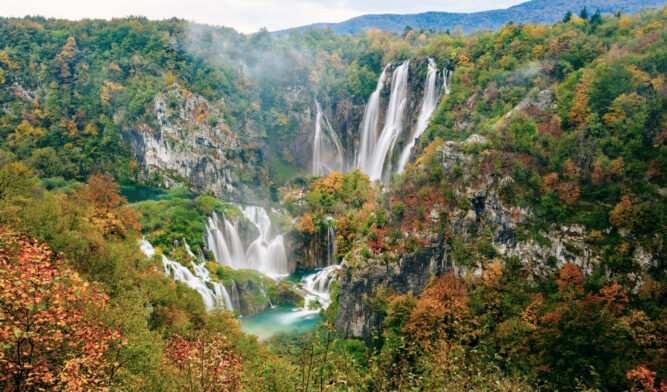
x=545, y=11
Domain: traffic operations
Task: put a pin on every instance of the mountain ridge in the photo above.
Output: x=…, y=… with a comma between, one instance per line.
x=540, y=11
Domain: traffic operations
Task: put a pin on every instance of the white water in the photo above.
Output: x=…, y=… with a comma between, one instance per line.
x=393, y=125
x=429, y=104
x=331, y=245
x=264, y=254
x=369, y=125
x=446, y=83
x=317, y=286
x=327, y=150
x=214, y=298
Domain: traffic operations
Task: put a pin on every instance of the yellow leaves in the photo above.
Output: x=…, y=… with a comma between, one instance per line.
x=652, y=27
x=537, y=52
x=108, y=88
x=579, y=111
x=625, y=23
x=26, y=131
x=170, y=78
x=463, y=59
x=113, y=67
x=4, y=59
x=69, y=49
x=90, y=130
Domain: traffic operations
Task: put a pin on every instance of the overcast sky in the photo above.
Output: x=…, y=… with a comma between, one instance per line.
x=244, y=15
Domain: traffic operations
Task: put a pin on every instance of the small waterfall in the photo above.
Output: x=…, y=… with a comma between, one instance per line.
x=331, y=245
x=317, y=285
x=327, y=150
x=369, y=125
x=264, y=254
x=429, y=104
x=213, y=298
x=446, y=82
x=393, y=125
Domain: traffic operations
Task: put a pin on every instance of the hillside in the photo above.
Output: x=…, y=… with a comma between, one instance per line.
x=187, y=208
x=535, y=11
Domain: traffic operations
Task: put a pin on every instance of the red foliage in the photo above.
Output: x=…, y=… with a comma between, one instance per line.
x=48, y=339
x=570, y=276
x=646, y=380
x=203, y=363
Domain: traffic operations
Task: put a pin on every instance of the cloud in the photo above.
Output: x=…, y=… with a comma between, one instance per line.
x=244, y=15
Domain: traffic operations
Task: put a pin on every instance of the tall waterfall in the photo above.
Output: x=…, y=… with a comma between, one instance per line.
x=331, y=245
x=446, y=82
x=373, y=163
x=264, y=254
x=369, y=125
x=327, y=150
x=213, y=294
x=429, y=104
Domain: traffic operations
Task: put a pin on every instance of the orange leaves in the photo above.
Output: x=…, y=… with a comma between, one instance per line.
x=305, y=224
x=105, y=207
x=203, y=363
x=493, y=273
x=47, y=338
x=440, y=313
x=644, y=380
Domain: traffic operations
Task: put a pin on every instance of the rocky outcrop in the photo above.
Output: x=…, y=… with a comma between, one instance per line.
x=190, y=145
x=509, y=228
x=357, y=314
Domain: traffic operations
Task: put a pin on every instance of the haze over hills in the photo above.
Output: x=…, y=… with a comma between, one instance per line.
x=544, y=11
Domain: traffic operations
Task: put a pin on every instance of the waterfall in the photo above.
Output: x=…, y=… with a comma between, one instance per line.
x=331, y=245
x=317, y=286
x=446, y=83
x=327, y=150
x=369, y=125
x=264, y=254
x=214, y=298
x=429, y=104
x=393, y=125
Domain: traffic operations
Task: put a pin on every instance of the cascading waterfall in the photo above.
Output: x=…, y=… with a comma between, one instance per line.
x=369, y=125
x=214, y=298
x=327, y=150
x=393, y=125
x=318, y=287
x=264, y=254
x=429, y=104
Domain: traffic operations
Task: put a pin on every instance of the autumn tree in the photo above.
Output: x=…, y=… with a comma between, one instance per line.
x=106, y=208
x=49, y=339
x=584, y=335
x=203, y=363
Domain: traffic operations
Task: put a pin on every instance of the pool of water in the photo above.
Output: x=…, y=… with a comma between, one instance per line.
x=135, y=194
x=281, y=319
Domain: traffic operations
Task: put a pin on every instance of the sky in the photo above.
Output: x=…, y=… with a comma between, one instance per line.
x=246, y=16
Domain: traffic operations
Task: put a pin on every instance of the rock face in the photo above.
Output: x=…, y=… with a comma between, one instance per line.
x=357, y=317
x=510, y=231
x=190, y=145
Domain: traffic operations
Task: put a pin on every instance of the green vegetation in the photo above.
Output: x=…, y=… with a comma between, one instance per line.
x=584, y=147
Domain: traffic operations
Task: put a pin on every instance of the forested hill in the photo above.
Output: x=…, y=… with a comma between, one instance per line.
x=544, y=11
x=522, y=248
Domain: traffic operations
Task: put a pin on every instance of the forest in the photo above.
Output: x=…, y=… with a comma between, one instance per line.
x=522, y=248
